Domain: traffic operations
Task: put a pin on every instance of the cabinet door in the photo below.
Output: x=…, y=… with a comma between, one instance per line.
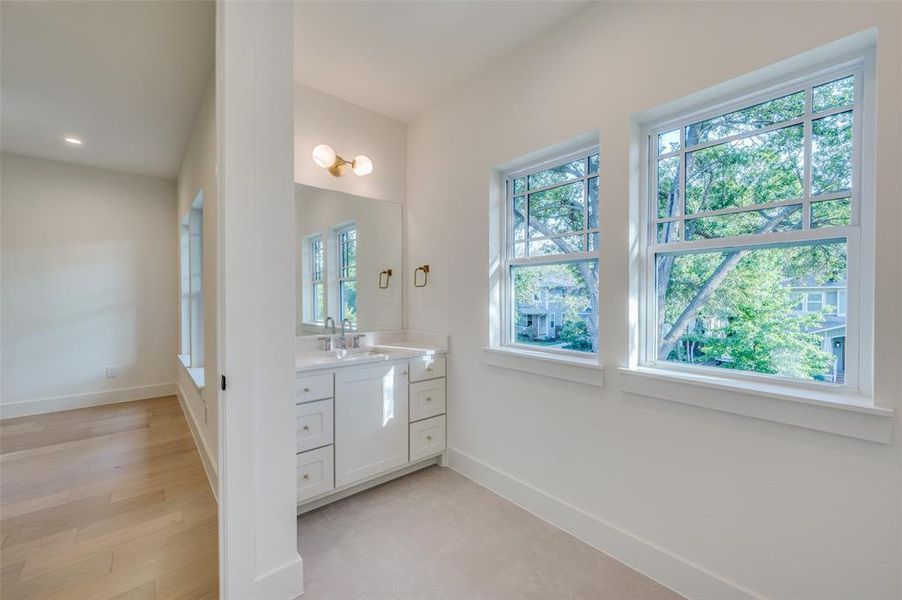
x=370, y=421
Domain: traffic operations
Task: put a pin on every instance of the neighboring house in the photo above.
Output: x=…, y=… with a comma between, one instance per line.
x=829, y=299
x=541, y=319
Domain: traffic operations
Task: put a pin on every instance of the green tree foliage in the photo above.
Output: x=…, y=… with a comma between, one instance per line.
x=732, y=308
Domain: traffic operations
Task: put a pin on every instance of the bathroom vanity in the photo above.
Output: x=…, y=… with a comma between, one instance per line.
x=369, y=414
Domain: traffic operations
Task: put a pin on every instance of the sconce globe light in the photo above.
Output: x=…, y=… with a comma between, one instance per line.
x=324, y=156
x=362, y=165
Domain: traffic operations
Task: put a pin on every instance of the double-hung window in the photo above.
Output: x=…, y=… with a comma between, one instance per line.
x=191, y=280
x=317, y=284
x=347, y=273
x=754, y=207
x=550, y=257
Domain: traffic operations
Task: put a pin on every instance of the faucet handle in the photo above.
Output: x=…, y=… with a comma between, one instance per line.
x=327, y=342
x=357, y=339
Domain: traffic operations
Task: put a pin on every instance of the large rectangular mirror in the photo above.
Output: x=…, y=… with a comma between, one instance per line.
x=348, y=261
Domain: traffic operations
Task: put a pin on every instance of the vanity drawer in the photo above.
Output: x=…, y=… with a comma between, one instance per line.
x=427, y=438
x=427, y=367
x=427, y=399
x=314, y=424
x=316, y=473
x=314, y=387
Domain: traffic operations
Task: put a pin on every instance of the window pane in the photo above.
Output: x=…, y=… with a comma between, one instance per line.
x=593, y=203
x=784, y=218
x=316, y=256
x=831, y=153
x=831, y=213
x=668, y=232
x=558, y=174
x=668, y=141
x=561, y=245
x=738, y=309
x=319, y=304
x=519, y=250
x=348, y=301
x=747, y=119
x=347, y=253
x=558, y=210
x=570, y=292
x=834, y=94
x=519, y=209
x=761, y=168
x=593, y=164
x=669, y=187
x=520, y=185
x=593, y=242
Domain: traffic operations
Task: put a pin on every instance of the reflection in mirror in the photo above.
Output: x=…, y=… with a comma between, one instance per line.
x=344, y=243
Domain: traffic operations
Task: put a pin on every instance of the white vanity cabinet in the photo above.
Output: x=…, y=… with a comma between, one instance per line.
x=361, y=424
x=370, y=421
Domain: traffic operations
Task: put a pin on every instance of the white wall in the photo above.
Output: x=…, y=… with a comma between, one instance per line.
x=198, y=174
x=777, y=510
x=88, y=281
x=351, y=130
x=379, y=247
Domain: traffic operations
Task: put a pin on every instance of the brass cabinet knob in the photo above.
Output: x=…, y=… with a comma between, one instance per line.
x=428, y=438
x=307, y=390
x=428, y=399
x=306, y=428
x=306, y=477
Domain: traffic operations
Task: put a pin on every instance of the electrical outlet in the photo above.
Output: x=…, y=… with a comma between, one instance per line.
x=112, y=372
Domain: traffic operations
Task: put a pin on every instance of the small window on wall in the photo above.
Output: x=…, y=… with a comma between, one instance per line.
x=550, y=263
x=191, y=284
x=346, y=239
x=753, y=217
x=317, y=285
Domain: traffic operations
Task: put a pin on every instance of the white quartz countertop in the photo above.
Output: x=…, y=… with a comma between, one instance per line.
x=312, y=360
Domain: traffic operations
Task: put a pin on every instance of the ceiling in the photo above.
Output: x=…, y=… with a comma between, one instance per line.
x=125, y=77
x=400, y=58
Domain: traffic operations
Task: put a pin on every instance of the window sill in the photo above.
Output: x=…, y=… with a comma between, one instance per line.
x=196, y=373
x=567, y=368
x=850, y=416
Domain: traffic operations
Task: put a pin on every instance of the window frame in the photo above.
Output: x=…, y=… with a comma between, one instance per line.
x=507, y=337
x=860, y=261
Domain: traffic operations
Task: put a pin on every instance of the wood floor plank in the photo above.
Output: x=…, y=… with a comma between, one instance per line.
x=106, y=503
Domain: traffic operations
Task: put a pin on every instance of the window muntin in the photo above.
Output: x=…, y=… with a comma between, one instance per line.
x=317, y=284
x=749, y=209
x=347, y=273
x=551, y=256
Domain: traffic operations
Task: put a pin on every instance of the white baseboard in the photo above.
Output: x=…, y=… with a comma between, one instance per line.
x=667, y=569
x=39, y=406
x=205, y=457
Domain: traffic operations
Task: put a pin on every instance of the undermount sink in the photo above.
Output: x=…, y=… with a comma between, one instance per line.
x=358, y=354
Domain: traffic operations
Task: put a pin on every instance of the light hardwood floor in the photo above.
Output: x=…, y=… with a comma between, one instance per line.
x=106, y=502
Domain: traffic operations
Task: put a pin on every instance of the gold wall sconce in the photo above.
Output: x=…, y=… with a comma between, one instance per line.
x=384, y=276
x=424, y=269
x=324, y=156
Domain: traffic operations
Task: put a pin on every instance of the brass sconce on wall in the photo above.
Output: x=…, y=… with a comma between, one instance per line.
x=325, y=157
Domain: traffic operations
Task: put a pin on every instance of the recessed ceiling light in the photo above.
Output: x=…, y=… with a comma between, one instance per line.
x=74, y=141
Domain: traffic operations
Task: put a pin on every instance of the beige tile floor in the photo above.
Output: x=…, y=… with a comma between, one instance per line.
x=436, y=534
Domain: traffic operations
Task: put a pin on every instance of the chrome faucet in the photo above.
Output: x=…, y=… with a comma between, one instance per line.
x=327, y=339
x=343, y=339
